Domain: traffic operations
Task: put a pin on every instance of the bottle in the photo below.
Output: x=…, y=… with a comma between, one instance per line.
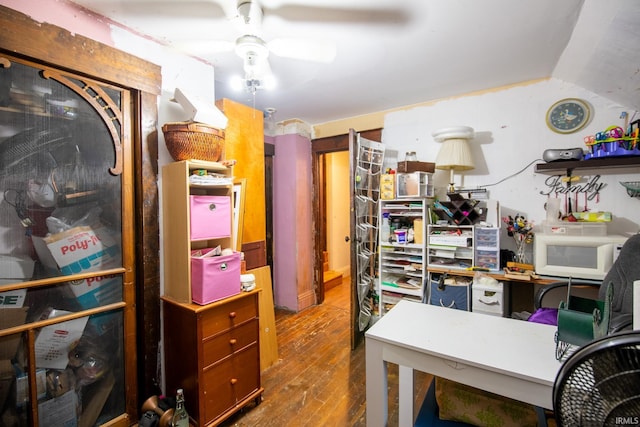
x=410, y=156
x=385, y=230
x=180, y=416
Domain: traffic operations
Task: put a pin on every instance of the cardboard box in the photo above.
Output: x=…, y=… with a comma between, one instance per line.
x=6, y=380
x=418, y=231
x=413, y=166
x=95, y=291
x=15, y=268
x=12, y=299
x=387, y=186
x=79, y=250
x=10, y=317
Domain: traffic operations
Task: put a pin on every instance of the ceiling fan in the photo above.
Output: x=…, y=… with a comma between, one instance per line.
x=254, y=50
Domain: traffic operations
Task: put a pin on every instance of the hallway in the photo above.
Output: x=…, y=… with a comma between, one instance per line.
x=318, y=381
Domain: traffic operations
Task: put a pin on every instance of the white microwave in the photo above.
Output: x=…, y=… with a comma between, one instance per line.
x=583, y=257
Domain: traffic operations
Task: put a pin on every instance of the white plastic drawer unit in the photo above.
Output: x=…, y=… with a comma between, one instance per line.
x=487, y=247
x=488, y=299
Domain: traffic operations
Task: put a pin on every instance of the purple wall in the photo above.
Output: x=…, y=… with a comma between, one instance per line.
x=292, y=230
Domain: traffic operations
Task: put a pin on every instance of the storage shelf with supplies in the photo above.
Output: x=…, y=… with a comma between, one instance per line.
x=402, y=251
x=450, y=246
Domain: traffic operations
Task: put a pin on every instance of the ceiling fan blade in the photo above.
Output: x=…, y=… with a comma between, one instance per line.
x=323, y=11
x=315, y=50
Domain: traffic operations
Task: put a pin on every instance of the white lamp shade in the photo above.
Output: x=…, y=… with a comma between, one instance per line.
x=455, y=155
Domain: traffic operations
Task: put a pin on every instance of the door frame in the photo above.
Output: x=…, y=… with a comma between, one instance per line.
x=319, y=147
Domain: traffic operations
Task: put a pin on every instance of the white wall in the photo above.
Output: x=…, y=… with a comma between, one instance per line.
x=511, y=132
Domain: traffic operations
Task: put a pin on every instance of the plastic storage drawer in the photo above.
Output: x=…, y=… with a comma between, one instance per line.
x=488, y=299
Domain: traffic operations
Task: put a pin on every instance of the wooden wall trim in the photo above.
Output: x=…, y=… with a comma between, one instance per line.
x=341, y=142
x=25, y=37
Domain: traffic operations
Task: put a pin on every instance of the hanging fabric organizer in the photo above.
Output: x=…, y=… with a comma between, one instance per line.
x=370, y=156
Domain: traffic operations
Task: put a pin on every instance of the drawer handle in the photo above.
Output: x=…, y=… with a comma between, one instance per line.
x=232, y=314
x=212, y=207
x=233, y=381
x=233, y=341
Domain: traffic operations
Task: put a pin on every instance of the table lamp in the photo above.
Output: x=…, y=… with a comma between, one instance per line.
x=454, y=154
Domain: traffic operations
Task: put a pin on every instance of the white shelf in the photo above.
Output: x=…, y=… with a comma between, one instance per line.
x=393, y=256
x=454, y=248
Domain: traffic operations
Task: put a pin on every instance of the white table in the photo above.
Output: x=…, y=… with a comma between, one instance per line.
x=509, y=357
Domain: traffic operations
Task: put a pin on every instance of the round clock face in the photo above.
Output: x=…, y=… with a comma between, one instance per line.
x=568, y=115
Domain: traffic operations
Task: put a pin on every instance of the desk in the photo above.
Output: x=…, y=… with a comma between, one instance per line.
x=509, y=357
x=498, y=275
x=519, y=298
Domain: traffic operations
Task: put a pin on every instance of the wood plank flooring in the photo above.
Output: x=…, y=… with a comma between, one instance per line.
x=318, y=381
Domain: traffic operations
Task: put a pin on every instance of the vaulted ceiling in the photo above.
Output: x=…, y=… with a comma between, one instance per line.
x=393, y=53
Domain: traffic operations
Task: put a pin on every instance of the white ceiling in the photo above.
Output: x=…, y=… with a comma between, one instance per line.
x=392, y=53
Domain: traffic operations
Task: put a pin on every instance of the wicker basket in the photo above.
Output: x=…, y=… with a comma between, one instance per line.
x=194, y=141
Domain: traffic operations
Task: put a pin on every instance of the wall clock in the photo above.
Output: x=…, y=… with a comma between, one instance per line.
x=568, y=115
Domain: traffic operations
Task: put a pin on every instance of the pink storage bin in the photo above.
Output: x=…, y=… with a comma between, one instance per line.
x=210, y=217
x=214, y=278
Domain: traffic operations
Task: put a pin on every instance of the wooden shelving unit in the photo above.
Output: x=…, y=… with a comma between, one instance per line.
x=178, y=245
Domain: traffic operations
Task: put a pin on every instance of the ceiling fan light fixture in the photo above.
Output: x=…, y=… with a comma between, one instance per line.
x=252, y=85
x=269, y=82
x=236, y=83
x=251, y=45
x=254, y=53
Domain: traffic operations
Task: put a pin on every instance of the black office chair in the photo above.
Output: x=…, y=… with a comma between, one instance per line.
x=599, y=384
x=550, y=295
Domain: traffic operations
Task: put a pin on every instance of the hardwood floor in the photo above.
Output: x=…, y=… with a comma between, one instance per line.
x=318, y=380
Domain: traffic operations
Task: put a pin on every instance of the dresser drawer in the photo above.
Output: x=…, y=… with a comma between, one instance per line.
x=225, y=344
x=228, y=315
x=231, y=381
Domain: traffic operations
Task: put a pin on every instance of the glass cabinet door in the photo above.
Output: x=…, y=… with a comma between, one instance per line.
x=66, y=257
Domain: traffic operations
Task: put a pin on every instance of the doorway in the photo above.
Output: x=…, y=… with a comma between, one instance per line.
x=319, y=147
x=336, y=256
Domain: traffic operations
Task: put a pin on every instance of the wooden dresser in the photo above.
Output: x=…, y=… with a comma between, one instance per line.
x=212, y=352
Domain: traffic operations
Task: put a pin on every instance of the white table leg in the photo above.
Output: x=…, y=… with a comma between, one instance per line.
x=376, y=384
x=636, y=304
x=405, y=396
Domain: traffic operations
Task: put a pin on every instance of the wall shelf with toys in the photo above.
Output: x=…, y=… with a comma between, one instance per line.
x=598, y=165
x=610, y=151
